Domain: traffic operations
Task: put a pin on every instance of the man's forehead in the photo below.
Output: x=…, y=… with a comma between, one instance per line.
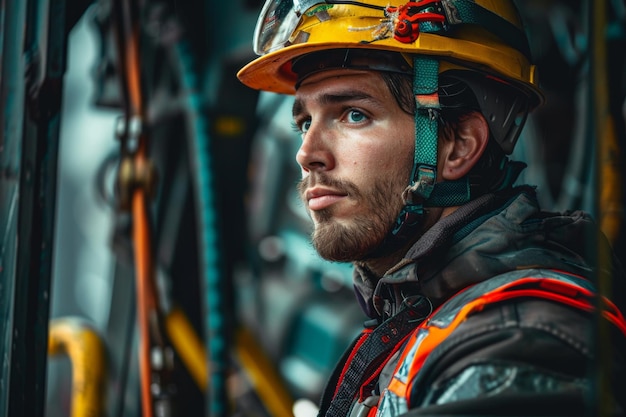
x=338, y=86
x=335, y=74
x=343, y=59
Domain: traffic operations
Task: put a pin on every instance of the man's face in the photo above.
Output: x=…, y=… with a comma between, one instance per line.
x=356, y=157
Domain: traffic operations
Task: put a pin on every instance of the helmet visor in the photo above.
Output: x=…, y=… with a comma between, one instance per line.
x=279, y=19
x=276, y=23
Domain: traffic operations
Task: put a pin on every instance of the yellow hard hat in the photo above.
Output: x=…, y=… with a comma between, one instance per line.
x=483, y=35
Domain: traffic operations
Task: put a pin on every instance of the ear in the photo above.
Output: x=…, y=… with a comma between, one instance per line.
x=464, y=147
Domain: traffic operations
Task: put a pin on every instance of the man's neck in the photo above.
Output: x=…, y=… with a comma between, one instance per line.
x=381, y=264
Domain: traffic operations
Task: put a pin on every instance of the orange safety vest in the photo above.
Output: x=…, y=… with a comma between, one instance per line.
x=434, y=331
x=416, y=346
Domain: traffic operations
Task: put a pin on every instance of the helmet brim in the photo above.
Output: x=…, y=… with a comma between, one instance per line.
x=272, y=72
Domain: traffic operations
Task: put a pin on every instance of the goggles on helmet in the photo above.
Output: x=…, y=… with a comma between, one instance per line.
x=279, y=18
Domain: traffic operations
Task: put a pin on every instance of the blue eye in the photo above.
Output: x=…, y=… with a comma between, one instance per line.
x=301, y=127
x=355, y=116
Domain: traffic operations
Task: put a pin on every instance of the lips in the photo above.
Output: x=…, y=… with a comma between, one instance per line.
x=321, y=198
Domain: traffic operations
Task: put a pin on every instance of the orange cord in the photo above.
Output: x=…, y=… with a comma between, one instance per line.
x=145, y=295
x=146, y=292
x=133, y=74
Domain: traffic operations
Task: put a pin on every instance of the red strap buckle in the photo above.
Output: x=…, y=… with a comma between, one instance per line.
x=407, y=18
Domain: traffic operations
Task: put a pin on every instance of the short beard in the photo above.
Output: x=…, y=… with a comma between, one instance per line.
x=359, y=239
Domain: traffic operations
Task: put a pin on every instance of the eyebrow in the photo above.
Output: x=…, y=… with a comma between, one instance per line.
x=334, y=98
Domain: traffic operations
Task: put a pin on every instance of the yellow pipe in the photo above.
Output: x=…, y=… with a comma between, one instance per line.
x=84, y=347
x=260, y=371
x=611, y=197
x=188, y=346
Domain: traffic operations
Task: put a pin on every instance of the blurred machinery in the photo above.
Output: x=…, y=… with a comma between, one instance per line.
x=154, y=257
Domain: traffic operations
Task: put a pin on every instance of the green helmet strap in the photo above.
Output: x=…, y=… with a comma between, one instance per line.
x=424, y=172
x=450, y=193
x=423, y=189
x=425, y=89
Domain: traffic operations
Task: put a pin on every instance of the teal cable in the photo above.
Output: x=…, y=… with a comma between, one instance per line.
x=212, y=272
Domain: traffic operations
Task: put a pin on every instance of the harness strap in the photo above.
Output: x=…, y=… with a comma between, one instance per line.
x=367, y=356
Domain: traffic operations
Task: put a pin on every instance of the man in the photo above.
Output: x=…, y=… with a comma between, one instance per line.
x=480, y=302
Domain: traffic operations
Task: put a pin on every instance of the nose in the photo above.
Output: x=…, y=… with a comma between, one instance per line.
x=315, y=153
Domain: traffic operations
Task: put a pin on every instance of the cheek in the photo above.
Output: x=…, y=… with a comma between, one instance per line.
x=394, y=158
x=384, y=165
x=369, y=161
x=391, y=151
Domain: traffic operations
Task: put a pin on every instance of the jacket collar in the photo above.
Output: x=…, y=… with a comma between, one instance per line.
x=488, y=236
